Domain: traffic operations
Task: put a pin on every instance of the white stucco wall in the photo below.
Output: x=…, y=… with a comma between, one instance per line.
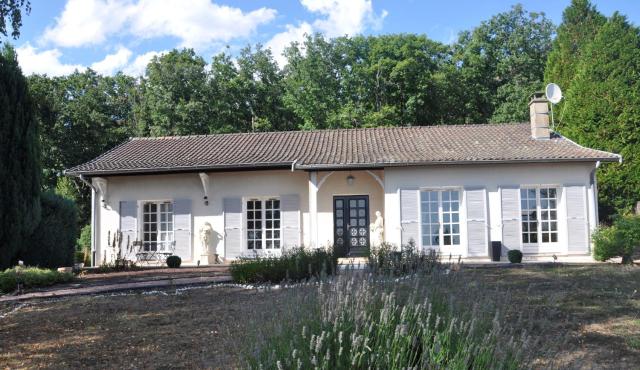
x=382, y=187
x=491, y=177
x=222, y=185
x=189, y=186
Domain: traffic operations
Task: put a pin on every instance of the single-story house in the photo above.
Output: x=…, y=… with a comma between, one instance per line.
x=453, y=188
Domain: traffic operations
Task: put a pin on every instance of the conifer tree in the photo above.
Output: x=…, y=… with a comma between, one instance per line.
x=19, y=160
x=580, y=24
x=603, y=110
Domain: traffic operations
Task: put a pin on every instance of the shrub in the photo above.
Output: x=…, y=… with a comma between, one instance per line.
x=515, y=256
x=52, y=244
x=29, y=277
x=385, y=259
x=174, y=262
x=83, y=245
x=619, y=240
x=363, y=322
x=295, y=264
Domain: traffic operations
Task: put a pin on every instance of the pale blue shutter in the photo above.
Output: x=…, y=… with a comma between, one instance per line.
x=409, y=216
x=232, y=227
x=577, y=225
x=477, y=239
x=182, y=228
x=128, y=228
x=511, y=237
x=290, y=207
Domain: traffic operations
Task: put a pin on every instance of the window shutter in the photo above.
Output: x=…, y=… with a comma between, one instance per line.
x=578, y=229
x=511, y=238
x=128, y=228
x=290, y=207
x=477, y=240
x=182, y=228
x=232, y=227
x=409, y=212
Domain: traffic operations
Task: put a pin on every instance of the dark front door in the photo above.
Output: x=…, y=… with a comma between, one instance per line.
x=351, y=224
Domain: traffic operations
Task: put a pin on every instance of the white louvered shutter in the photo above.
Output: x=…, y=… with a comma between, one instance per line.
x=477, y=233
x=232, y=227
x=577, y=224
x=511, y=237
x=409, y=216
x=290, y=207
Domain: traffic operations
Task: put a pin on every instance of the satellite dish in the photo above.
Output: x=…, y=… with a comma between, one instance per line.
x=553, y=93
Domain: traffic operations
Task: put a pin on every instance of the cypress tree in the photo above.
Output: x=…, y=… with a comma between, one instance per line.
x=19, y=160
x=603, y=110
x=580, y=24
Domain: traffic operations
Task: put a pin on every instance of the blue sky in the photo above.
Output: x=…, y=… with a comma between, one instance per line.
x=111, y=35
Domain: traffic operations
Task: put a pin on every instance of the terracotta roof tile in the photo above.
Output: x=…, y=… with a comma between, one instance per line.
x=346, y=148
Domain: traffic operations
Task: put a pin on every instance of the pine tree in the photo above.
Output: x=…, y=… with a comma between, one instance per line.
x=19, y=160
x=603, y=110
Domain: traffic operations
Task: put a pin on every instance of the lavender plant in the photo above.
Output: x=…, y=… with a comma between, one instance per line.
x=375, y=322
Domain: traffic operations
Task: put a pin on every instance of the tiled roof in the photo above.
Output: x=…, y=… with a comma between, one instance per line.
x=345, y=148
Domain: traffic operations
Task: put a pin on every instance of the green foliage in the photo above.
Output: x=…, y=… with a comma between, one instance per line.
x=514, y=256
x=580, y=24
x=52, y=243
x=19, y=160
x=603, y=110
x=294, y=265
x=174, y=262
x=11, y=10
x=80, y=116
x=174, y=100
x=501, y=61
x=387, y=260
x=30, y=277
x=83, y=245
x=621, y=239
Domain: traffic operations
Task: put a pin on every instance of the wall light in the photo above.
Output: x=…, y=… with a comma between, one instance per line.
x=350, y=180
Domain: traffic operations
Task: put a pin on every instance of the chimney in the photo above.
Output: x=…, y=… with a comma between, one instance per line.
x=539, y=116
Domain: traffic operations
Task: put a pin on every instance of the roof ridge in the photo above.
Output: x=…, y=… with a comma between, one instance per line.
x=260, y=133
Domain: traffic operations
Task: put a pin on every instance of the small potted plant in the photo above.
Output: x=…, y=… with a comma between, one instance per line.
x=174, y=262
x=515, y=256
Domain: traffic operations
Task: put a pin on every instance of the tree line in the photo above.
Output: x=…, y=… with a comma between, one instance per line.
x=486, y=76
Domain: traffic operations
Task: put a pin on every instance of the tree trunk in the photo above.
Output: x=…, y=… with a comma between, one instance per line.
x=626, y=259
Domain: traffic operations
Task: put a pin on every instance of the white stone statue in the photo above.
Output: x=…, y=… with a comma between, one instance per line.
x=377, y=230
x=205, y=237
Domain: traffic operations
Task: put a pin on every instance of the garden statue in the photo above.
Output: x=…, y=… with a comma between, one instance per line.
x=377, y=230
x=205, y=237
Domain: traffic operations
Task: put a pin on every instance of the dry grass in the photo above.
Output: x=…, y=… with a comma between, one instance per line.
x=589, y=317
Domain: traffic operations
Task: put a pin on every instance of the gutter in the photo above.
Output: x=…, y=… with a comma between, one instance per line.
x=293, y=165
x=84, y=179
x=584, y=147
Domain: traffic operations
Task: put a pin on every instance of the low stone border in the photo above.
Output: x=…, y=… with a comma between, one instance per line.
x=96, y=289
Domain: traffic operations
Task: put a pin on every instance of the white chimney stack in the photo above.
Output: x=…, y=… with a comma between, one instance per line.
x=539, y=116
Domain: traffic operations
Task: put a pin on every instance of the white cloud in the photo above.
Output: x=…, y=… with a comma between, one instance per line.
x=139, y=64
x=344, y=17
x=87, y=22
x=280, y=41
x=196, y=23
x=113, y=63
x=44, y=62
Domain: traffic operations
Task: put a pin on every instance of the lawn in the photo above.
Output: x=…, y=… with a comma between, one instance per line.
x=575, y=317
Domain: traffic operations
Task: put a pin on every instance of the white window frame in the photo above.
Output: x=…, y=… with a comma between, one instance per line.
x=539, y=210
x=168, y=247
x=245, y=229
x=441, y=244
